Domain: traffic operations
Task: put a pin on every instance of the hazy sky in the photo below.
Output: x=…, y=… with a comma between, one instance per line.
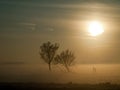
x=26, y=24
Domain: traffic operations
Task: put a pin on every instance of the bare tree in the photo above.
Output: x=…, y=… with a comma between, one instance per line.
x=47, y=52
x=65, y=58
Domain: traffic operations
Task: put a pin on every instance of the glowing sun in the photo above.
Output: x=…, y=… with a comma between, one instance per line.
x=95, y=28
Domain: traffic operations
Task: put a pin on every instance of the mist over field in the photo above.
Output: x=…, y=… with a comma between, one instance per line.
x=83, y=73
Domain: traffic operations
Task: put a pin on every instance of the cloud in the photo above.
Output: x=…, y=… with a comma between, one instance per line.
x=31, y=26
x=50, y=29
x=28, y=24
x=11, y=63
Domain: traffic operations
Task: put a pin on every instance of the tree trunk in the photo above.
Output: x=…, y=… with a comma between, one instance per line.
x=50, y=67
x=67, y=67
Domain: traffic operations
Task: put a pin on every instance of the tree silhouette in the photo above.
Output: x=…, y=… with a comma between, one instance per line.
x=48, y=51
x=66, y=58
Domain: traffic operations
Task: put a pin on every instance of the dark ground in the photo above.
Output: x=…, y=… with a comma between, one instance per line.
x=53, y=86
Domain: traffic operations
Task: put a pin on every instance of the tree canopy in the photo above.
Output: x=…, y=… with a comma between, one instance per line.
x=48, y=51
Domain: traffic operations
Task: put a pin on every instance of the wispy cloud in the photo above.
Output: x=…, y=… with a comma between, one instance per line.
x=28, y=24
x=31, y=26
x=50, y=29
x=11, y=63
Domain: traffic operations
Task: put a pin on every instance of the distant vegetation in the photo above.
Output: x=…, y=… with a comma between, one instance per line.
x=48, y=53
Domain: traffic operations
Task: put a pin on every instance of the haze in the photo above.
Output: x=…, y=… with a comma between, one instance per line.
x=26, y=24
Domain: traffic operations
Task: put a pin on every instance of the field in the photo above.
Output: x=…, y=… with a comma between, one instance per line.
x=54, y=86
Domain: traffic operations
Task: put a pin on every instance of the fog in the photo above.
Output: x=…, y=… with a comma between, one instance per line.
x=80, y=73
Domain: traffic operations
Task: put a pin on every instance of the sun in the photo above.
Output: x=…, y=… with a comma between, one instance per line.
x=95, y=28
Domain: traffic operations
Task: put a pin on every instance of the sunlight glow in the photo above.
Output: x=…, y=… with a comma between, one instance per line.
x=95, y=28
